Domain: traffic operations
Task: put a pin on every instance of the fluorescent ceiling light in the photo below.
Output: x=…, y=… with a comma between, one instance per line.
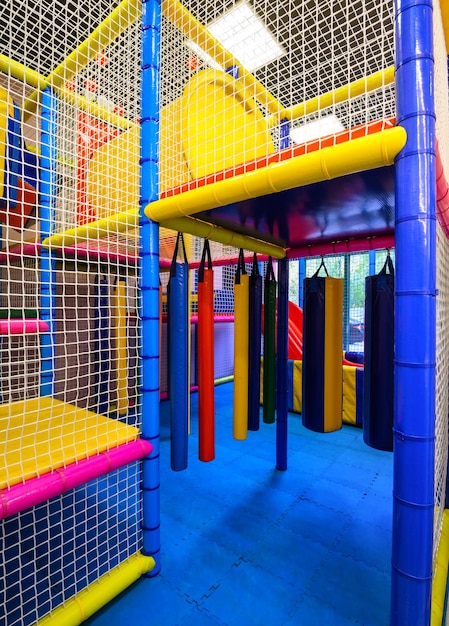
x=321, y=127
x=201, y=54
x=244, y=35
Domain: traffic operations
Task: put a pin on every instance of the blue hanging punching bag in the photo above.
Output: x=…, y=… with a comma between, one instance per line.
x=378, y=377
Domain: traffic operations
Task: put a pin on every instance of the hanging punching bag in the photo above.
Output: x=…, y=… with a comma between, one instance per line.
x=178, y=357
x=206, y=385
x=241, y=307
x=378, y=376
x=322, y=369
x=269, y=345
x=254, y=345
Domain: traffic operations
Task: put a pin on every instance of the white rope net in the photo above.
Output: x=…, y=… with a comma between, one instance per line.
x=68, y=319
x=292, y=58
x=442, y=261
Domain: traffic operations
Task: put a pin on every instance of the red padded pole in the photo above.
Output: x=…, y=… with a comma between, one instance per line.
x=206, y=387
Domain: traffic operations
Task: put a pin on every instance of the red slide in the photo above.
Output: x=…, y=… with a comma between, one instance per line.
x=294, y=332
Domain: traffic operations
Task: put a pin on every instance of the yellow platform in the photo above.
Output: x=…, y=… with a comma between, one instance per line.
x=43, y=434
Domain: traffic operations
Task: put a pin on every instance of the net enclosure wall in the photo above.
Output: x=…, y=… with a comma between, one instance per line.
x=70, y=392
x=94, y=155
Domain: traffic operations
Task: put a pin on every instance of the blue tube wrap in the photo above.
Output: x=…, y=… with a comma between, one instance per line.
x=47, y=200
x=415, y=318
x=149, y=276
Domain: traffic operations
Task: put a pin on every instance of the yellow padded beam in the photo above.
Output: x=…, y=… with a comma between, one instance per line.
x=90, y=600
x=364, y=153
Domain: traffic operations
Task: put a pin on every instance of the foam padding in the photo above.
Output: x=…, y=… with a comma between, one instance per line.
x=352, y=406
x=43, y=434
x=322, y=349
x=349, y=394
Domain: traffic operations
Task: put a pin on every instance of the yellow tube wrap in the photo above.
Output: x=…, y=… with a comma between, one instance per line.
x=444, y=6
x=333, y=347
x=112, y=225
x=98, y=594
x=241, y=331
x=121, y=352
x=364, y=153
x=223, y=235
x=342, y=94
x=123, y=16
x=440, y=574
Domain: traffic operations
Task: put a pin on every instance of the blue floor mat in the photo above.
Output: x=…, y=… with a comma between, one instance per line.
x=245, y=544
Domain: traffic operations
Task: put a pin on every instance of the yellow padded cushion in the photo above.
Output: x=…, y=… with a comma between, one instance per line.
x=43, y=434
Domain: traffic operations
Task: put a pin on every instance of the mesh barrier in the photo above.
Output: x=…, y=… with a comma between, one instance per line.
x=70, y=340
x=68, y=316
x=276, y=54
x=442, y=261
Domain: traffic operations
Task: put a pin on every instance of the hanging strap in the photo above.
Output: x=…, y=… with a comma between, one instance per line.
x=179, y=239
x=269, y=275
x=388, y=265
x=321, y=265
x=241, y=269
x=205, y=256
x=255, y=267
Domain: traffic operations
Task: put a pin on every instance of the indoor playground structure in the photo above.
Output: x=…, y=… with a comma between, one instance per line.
x=156, y=180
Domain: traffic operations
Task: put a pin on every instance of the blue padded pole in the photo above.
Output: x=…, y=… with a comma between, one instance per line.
x=282, y=367
x=415, y=318
x=302, y=275
x=372, y=262
x=149, y=279
x=47, y=199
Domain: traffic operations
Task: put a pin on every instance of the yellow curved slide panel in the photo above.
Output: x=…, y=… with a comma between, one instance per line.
x=90, y=600
x=333, y=342
x=241, y=323
x=121, y=352
x=43, y=434
x=221, y=125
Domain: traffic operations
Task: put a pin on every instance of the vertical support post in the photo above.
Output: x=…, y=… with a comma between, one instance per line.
x=47, y=200
x=282, y=367
x=284, y=134
x=346, y=299
x=302, y=275
x=415, y=308
x=372, y=262
x=149, y=177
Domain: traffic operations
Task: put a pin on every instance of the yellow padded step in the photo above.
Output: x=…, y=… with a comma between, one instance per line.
x=43, y=434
